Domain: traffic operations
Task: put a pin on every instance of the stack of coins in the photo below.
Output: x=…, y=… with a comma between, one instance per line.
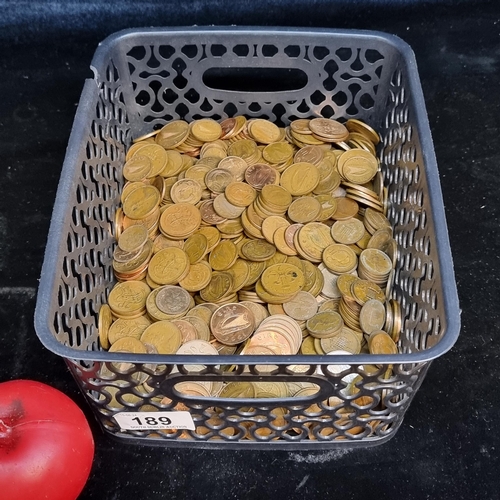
x=253, y=239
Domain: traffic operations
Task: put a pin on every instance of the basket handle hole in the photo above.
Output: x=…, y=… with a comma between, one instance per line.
x=255, y=79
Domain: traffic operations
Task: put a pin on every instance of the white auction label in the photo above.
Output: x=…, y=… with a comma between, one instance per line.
x=155, y=420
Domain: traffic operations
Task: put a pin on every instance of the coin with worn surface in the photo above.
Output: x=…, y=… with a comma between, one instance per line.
x=196, y=247
x=282, y=279
x=186, y=191
x=258, y=250
x=260, y=174
x=339, y=258
x=180, y=220
x=271, y=224
x=346, y=208
x=208, y=214
x=235, y=165
x=164, y=335
x=206, y=130
x=304, y=209
x=128, y=328
x=157, y=156
x=312, y=239
x=137, y=168
x=345, y=340
x=325, y=324
x=128, y=344
x=300, y=178
x=128, y=298
x=364, y=290
x=223, y=256
x=372, y=316
x=201, y=327
x=381, y=343
x=232, y=324
x=302, y=307
x=218, y=179
x=240, y=194
x=172, y=134
x=220, y=285
x=197, y=278
x=329, y=129
x=141, y=202
x=169, y=266
x=172, y=300
x=348, y=231
x=133, y=239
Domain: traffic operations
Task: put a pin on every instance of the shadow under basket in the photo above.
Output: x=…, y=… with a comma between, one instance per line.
x=145, y=78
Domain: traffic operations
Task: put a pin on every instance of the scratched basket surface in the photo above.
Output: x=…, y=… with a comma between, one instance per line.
x=144, y=79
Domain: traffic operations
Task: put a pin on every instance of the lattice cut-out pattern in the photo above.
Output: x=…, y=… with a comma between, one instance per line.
x=168, y=83
x=86, y=273
x=360, y=404
x=160, y=79
x=417, y=282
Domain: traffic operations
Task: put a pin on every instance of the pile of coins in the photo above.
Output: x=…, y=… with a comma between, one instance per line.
x=244, y=237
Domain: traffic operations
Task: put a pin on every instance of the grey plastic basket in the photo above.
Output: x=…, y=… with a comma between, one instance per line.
x=144, y=78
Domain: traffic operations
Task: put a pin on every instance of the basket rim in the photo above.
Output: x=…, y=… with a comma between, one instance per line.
x=87, y=100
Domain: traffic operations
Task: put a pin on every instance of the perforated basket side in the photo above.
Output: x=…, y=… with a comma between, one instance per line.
x=144, y=79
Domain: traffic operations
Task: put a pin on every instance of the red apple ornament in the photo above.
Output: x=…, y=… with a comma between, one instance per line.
x=46, y=447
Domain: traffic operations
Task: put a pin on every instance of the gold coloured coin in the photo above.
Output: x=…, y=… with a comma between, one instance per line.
x=206, y=130
x=302, y=307
x=164, y=335
x=325, y=324
x=198, y=277
x=348, y=231
x=186, y=191
x=339, y=258
x=363, y=128
x=282, y=279
x=381, y=343
x=258, y=250
x=172, y=134
x=240, y=194
x=304, y=209
x=141, y=202
x=157, y=157
x=357, y=166
x=133, y=238
x=128, y=328
x=271, y=224
x=328, y=129
x=180, y=221
x=169, y=266
x=372, y=316
x=223, y=256
x=264, y=131
x=300, y=178
x=128, y=344
x=312, y=239
x=104, y=324
x=137, y=168
x=196, y=247
x=128, y=298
